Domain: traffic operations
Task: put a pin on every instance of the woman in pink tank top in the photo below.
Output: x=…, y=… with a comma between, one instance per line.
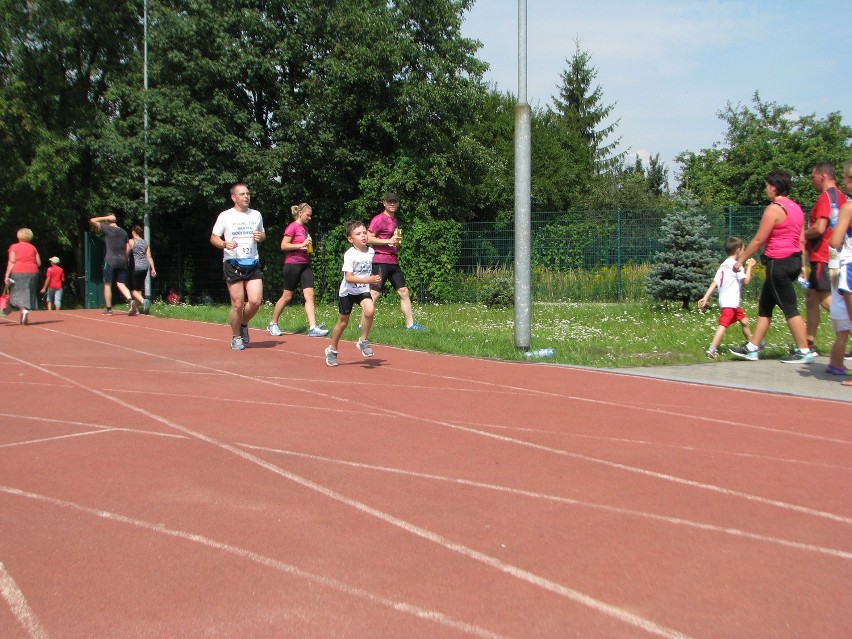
x=781, y=233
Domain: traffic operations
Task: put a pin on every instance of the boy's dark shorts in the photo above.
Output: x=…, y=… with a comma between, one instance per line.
x=234, y=272
x=819, y=279
x=387, y=272
x=345, y=303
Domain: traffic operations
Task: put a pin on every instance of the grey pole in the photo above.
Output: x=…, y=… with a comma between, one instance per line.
x=523, y=190
x=146, y=220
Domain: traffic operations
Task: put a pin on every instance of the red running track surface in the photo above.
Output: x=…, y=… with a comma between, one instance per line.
x=155, y=483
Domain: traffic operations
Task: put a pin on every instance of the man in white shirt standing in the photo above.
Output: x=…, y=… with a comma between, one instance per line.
x=237, y=232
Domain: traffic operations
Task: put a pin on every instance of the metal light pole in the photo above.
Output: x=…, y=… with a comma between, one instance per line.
x=146, y=216
x=523, y=190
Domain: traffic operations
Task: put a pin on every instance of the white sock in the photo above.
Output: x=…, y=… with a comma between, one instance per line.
x=751, y=347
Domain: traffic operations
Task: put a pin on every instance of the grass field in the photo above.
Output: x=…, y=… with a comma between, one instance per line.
x=587, y=334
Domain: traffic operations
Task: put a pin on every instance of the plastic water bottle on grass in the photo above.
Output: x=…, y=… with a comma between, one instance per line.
x=540, y=353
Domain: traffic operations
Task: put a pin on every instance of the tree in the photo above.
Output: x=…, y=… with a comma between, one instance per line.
x=579, y=109
x=765, y=137
x=686, y=261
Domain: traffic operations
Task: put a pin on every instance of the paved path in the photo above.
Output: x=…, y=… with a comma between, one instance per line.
x=807, y=380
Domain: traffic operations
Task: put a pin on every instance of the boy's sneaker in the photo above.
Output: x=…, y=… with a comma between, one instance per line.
x=415, y=327
x=836, y=370
x=364, y=346
x=330, y=357
x=134, y=310
x=274, y=330
x=317, y=331
x=798, y=357
x=244, y=334
x=106, y=311
x=712, y=353
x=237, y=344
x=743, y=353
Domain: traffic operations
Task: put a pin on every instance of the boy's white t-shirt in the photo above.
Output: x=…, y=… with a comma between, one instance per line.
x=360, y=264
x=729, y=284
x=240, y=227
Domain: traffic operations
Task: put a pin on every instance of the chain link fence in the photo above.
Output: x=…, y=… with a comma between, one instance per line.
x=595, y=256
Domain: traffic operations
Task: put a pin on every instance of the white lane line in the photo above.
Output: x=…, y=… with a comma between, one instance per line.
x=103, y=427
x=602, y=607
x=263, y=560
x=652, y=444
x=18, y=605
x=57, y=438
x=677, y=521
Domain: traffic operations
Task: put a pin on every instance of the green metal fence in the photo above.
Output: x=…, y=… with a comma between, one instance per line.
x=576, y=256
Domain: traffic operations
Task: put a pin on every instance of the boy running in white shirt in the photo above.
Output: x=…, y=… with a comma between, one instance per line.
x=730, y=286
x=355, y=289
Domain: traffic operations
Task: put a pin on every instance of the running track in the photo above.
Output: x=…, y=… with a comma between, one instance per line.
x=154, y=483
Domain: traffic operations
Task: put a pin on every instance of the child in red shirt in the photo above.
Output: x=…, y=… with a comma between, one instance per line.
x=54, y=278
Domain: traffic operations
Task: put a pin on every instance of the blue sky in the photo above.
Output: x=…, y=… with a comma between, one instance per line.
x=670, y=66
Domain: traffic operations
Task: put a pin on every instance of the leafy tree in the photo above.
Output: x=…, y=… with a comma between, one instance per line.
x=761, y=138
x=687, y=260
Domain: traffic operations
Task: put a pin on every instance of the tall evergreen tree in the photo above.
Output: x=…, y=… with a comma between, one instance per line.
x=579, y=108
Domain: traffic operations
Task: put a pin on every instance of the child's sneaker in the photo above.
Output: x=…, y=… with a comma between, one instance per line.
x=836, y=370
x=743, y=353
x=712, y=353
x=798, y=357
x=415, y=327
x=237, y=344
x=274, y=330
x=330, y=357
x=317, y=331
x=364, y=346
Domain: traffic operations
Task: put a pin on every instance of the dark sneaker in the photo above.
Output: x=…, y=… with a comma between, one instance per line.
x=146, y=306
x=364, y=346
x=330, y=357
x=743, y=353
x=798, y=357
x=237, y=344
x=107, y=311
x=244, y=334
x=134, y=308
x=836, y=370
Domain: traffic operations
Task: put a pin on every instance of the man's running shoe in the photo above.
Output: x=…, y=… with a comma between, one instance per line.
x=317, y=331
x=415, y=327
x=237, y=344
x=244, y=334
x=134, y=308
x=364, y=346
x=798, y=357
x=146, y=306
x=274, y=330
x=330, y=357
x=743, y=353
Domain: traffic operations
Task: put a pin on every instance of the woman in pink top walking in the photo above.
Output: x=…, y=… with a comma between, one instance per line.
x=781, y=230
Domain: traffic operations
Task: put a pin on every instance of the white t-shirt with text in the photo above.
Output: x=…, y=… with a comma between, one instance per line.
x=360, y=264
x=239, y=227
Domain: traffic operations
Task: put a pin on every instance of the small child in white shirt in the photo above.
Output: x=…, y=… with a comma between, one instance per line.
x=730, y=286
